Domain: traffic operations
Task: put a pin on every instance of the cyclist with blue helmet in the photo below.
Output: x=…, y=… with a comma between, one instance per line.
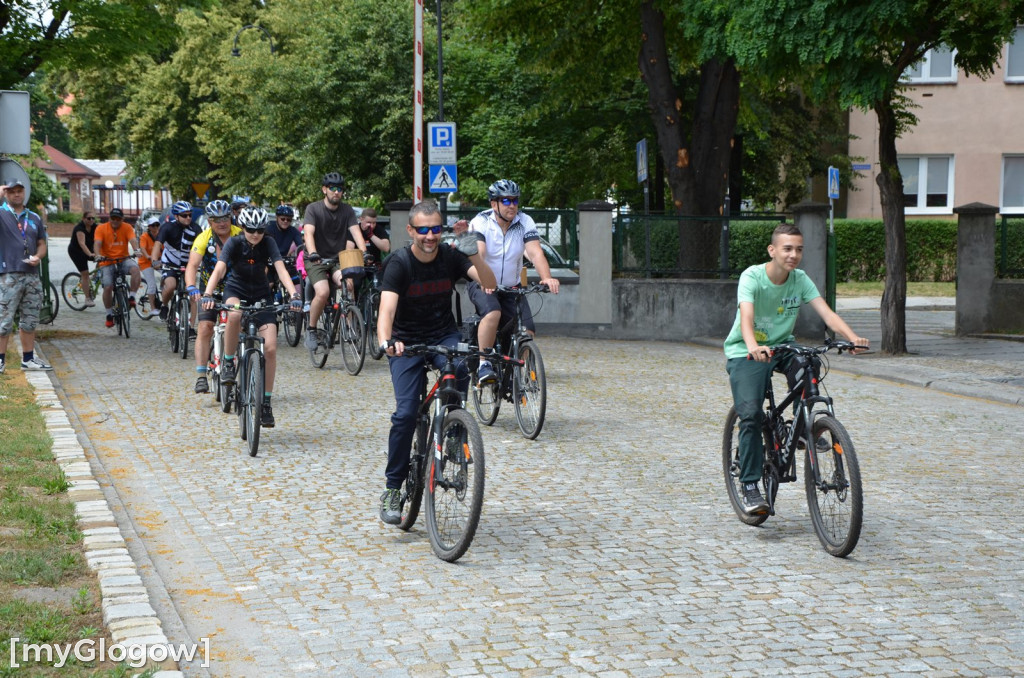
x=287, y=237
x=505, y=235
x=173, y=243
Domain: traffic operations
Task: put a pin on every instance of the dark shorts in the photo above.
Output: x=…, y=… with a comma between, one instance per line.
x=267, y=317
x=80, y=260
x=506, y=303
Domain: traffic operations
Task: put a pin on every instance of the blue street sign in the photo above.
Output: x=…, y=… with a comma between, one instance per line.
x=833, y=183
x=443, y=179
x=641, y=161
x=441, y=143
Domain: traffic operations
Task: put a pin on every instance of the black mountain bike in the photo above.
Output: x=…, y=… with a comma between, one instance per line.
x=524, y=384
x=341, y=322
x=369, y=300
x=831, y=472
x=447, y=460
x=251, y=375
x=121, y=310
x=74, y=295
x=179, y=316
x=292, y=322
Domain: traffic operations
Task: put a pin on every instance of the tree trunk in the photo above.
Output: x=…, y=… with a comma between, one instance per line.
x=890, y=188
x=696, y=159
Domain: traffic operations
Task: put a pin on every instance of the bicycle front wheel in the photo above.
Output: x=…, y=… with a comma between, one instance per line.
x=54, y=306
x=353, y=340
x=318, y=355
x=142, y=306
x=455, y=486
x=834, y=494
x=530, y=390
x=412, y=489
x=121, y=311
x=71, y=290
x=731, y=469
x=293, y=323
x=184, y=324
x=254, y=389
x=376, y=352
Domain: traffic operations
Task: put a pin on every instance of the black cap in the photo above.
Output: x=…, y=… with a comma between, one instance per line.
x=116, y=212
x=17, y=183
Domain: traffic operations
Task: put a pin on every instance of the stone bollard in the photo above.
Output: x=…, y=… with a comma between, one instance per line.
x=812, y=220
x=975, y=267
x=595, y=287
x=399, y=212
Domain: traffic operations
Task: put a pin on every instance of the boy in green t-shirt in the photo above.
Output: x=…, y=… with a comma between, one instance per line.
x=769, y=297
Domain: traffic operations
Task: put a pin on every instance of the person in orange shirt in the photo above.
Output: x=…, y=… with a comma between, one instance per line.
x=111, y=242
x=146, y=241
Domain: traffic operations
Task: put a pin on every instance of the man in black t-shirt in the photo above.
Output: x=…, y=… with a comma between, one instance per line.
x=416, y=307
x=375, y=236
x=326, y=226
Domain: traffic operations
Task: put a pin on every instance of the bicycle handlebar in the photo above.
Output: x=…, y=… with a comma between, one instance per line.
x=840, y=346
x=532, y=288
x=253, y=308
x=461, y=349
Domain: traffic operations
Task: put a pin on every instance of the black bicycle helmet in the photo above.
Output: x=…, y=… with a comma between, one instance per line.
x=218, y=209
x=284, y=211
x=503, y=188
x=334, y=179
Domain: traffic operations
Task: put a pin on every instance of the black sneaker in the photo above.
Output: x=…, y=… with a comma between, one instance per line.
x=753, y=503
x=267, y=418
x=202, y=386
x=391, y=506
x=163, y=313
x=227, y=372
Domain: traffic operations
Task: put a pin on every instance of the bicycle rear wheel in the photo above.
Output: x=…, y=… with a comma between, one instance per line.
x=71, y=290
x=487, y=398
x=376, y=352
x=125, y=316
x=412, y=488
x=54, y=307
x=455, y=486
x=529, y=390
x=254, y=389
x=293, y=323
x=836, y=502
x=353, y=340
x=142, y=301
x=184, y=324
x=318, y=355
x=172, y=323
x=731, y=468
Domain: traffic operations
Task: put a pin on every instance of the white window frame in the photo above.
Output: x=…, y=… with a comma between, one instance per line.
x=922, y=187
x=926, y=77
x=1016, y=44
x=1003, y=207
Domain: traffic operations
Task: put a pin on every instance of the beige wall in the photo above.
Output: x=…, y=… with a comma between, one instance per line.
x=976, y=121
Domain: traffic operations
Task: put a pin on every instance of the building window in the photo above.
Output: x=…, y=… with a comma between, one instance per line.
x=1015, y=57
x=936, y=67
x=927, y=183
x=1013, y=185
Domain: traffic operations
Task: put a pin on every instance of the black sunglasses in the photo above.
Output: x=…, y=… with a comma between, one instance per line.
x=256, y=230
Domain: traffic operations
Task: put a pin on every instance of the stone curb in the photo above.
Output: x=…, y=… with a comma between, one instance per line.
x=127, y=610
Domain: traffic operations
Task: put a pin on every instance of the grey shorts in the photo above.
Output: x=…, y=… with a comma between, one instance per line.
x=20, y=292
x=107, y=272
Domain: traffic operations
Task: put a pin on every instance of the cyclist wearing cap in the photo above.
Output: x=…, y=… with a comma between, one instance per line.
x=173, y=243
x=244, y=258
x=505, y=235
x=327, y=226
x=111, y=241
x=236, y=209
x=202, y=259
x=147, y=242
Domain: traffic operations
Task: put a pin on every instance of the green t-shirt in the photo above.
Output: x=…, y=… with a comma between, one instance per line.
x=775, y=308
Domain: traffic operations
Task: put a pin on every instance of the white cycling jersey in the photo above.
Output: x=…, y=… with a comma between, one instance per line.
x=504, y=249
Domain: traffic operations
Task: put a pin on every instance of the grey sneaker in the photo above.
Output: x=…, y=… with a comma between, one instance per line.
x=753, y=503
x=202, y=385
x=3, y=364
x=391, y=506
x=34, y=364
x=311, y=340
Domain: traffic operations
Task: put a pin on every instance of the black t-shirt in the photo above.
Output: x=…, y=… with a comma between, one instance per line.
x=424, y=290
x=73, y=246
x=285, y=238
x=247, y=265
x=331, y=227
x=372, y=249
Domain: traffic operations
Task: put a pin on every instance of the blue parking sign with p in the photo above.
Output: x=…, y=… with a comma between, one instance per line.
x=441, y=143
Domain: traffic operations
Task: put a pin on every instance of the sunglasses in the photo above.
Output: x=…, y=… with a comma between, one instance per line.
x=335, y=188
x=423, y=230
x=284, y=219
x=220, y=220
x=255, y=230
x=88, y=218
x=510, y=201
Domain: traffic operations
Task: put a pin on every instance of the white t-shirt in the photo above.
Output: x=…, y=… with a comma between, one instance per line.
x=504, y=250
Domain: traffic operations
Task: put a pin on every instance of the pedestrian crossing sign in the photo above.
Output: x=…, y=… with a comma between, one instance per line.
x=833, y=183
x=443, y=178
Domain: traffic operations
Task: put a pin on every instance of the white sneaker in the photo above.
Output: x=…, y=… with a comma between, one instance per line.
x=3, y=364
x=90, y=302
x=34, y=364
x=153, y=313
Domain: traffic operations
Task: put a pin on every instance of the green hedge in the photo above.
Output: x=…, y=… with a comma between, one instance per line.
x=1012, y=265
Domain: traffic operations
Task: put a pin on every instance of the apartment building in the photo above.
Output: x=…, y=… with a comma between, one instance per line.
x=968, y=145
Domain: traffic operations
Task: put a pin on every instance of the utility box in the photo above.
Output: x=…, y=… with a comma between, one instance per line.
x=15, y=117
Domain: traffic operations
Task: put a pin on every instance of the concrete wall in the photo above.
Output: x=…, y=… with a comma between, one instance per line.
x=983, y=303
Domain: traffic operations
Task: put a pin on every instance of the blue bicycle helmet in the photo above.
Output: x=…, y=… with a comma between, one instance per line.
x=181, y=207
x=503, y=188
x=284, y=211
x=218, y=209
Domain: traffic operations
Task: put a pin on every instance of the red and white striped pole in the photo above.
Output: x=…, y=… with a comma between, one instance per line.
x=417, y=118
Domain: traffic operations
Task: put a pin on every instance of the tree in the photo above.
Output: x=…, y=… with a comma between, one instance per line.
x=858, y=54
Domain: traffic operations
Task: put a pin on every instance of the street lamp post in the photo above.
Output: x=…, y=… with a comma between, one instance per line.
x=235, y=52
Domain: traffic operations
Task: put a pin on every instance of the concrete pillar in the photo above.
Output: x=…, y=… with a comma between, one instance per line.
x=399, y=213
x=812, y=220
x=595, y=239
x=975, y=267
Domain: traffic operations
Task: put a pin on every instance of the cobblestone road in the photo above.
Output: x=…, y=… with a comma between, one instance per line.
x=607, y=547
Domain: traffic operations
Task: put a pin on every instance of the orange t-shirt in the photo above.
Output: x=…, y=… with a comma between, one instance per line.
x=145, y=245
x=115, y=243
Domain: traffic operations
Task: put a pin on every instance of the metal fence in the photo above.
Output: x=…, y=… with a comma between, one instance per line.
x=1010, y=247
x=558, y=227
x=669, y=245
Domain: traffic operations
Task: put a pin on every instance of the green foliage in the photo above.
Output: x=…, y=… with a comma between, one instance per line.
x=44, y=191
x=1010, y=248
x=931, y=250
